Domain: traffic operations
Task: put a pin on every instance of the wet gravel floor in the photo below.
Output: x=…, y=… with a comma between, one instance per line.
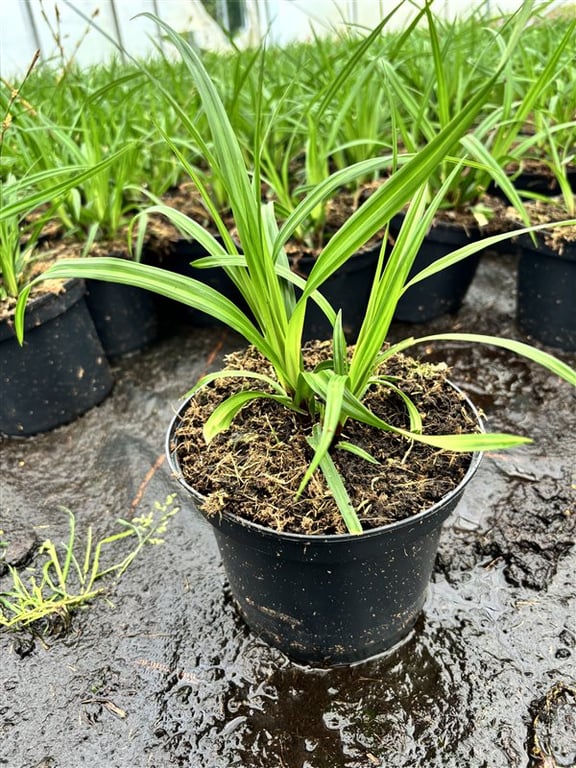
x=163, y=673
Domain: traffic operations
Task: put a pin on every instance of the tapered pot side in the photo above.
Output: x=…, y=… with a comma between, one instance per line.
x=334, y=599
x=125, y=316
x=444, y=292
x=61, y=370
x=178, y=257
x=347, y=289
x=546, y=304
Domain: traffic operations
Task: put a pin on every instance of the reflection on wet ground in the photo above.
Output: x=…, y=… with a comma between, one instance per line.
x=165, y=673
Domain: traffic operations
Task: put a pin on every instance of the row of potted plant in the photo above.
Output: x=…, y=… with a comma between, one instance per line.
x=349, y=112
x=319, y=108
x=296, y=449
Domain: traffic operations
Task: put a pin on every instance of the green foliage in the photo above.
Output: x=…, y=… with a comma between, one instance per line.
x=73, y=574
x=38, y=183
x=28, y=203
x=443, y=124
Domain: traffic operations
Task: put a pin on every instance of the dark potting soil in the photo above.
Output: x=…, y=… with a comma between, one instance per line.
x=163, y=673
x=254, y=468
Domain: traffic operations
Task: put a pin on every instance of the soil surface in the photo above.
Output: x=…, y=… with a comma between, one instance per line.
x=254, y=468
x=161, y=672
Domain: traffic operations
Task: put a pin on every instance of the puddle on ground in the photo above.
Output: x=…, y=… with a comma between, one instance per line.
x=164, y=673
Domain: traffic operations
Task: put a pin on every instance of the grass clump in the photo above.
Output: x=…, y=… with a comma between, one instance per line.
x=73, y=574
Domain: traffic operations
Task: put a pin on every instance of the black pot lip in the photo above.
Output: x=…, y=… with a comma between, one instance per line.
x=45, y=307
x=340, y=538
x=444, y=229
x=524, y=243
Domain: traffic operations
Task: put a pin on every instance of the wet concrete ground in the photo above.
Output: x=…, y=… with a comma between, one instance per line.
x=163, y=672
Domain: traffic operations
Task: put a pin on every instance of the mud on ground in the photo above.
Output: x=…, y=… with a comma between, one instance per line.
x=163, y=673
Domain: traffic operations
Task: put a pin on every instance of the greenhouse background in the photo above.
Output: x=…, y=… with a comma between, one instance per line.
x=27, y=25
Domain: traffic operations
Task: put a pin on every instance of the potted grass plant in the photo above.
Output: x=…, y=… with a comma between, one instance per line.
x=61, y=371
x=526, y=159
x=281, y=449
x=465, y=210
x=423, y=99
x=92, y=218
x=545, y=306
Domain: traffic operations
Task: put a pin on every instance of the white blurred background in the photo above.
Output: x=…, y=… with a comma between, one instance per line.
x=61, y=29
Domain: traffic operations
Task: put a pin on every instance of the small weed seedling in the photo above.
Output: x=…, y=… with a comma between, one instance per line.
x=43, y=603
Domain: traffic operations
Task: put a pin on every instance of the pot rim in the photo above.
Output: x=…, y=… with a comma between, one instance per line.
x=566, y=251
x=45, y=306
x=413, y=520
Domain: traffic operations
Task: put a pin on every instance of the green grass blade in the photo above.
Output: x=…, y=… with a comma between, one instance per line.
x=480, y=245
x=181, y=288
x=545, y=359
x=344, y=445
x=339, y=348
x=233, y=373
x=336, y=485
x=466, y=443
x=225, y=413
x=188, y=227
x=334, y=396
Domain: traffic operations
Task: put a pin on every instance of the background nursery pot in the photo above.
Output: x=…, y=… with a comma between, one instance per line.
x=124, y=316
x=61, y=370
x=177, y=255
x=546, y=307
x=445, y=291
x=333, y=599
x=347, y=289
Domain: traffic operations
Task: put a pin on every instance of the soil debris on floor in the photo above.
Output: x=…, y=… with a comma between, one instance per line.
x=160, y=671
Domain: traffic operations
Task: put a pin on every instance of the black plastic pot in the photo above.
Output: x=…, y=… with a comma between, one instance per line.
x=177, y=257
x=445, y=291
x=125, y=316
x=347, y=289
x=537, y=183
x=60, y=372
x=329, y=600
x=546, y=297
